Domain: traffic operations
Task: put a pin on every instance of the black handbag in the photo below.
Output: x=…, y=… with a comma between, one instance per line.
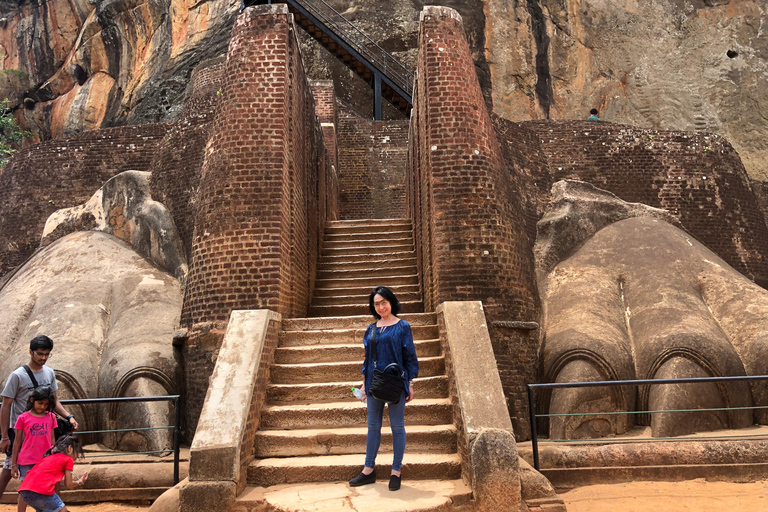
x=386, y=386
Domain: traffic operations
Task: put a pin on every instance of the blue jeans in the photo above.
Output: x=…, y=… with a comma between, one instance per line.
x=42, y=502
x=396, y=422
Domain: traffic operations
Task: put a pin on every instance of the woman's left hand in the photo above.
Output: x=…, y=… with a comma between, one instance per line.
x=410, y=394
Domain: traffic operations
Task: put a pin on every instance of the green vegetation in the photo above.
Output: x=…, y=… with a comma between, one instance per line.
x=10, y=132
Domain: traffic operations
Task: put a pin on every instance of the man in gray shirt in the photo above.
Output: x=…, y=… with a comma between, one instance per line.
x=17, y=391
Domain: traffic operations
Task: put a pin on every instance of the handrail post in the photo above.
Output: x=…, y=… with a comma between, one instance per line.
x=534, y=435
x=377, y=114
x=176, y=441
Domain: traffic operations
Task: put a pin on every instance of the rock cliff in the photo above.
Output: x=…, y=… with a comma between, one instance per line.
x=669, y=64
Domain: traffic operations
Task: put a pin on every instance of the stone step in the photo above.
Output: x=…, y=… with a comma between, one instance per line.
x=364, y=225
x=359, y=309
x=384, y=240
x=343, y=352
x=345, y=273
x=345, y=336
x=365, y=235
x=364, y=290
x=413, y=496
x=341, y=441
x=284, y=394
x=352, y=263
x=370, y=281
x=352, y=413
x=353, y=322
x=361, y=299
x=365, y=259
x=360, y=250
x=340, y=371
x=332, y=468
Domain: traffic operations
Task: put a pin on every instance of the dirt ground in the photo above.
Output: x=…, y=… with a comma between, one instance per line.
x=689, y=496
x=96, y=507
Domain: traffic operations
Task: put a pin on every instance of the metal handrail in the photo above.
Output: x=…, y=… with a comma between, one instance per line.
x=650, y=382
x=176, y=427
x=353, y=36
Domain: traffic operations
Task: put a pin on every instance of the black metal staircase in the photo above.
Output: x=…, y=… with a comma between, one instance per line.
x=388, y=77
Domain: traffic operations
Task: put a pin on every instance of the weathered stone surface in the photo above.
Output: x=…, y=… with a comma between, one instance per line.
x=642, y=299
x=534, y=485
x=124, y=208
x=671, y=64
x=577, y=211
x=495, y=471
x=215, y=452
x=111, y=315
x=169, y=501
x=206, y=496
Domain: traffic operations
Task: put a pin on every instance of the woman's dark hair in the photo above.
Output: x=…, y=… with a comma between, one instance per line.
x=65, y=442
x=593, y=111
x=387, y=294
x=42, y=393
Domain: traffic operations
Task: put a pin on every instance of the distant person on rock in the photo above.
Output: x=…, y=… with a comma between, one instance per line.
x=593, y=115
x=18, y=389
x=388, y=340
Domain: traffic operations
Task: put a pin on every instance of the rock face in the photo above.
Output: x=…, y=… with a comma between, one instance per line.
x=673, y=64
x=642, y=299
x=667, y=64
x=86, y=65
x=111, y=315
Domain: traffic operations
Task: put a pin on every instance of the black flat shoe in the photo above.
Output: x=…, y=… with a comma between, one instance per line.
x=394, y=483
x=363, y=479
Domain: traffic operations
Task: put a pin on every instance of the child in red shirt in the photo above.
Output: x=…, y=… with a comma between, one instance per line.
x=37, y=489
x=36, y=425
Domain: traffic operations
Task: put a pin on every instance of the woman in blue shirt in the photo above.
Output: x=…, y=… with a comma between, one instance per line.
x=394, y=344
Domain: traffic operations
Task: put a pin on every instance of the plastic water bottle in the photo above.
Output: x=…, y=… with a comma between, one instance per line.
x=358, y=393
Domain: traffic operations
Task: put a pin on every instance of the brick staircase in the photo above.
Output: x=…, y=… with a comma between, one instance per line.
x=360, y=254
x=311, y=428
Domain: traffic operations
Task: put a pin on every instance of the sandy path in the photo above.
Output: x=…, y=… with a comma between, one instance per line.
x=690, y=496
x=97, y=507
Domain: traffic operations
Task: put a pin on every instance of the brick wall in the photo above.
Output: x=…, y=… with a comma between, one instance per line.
x=45, y=177
x=267, y=187
x=372, y=161
x=178, y=162
x=470, y=229
x=327, y=115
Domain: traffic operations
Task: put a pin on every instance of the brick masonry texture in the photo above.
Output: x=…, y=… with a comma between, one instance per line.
x=470, y=229
x=178, y=162
x=267, y=185
x=45, y=177
x=327, y=115
x=372, y=161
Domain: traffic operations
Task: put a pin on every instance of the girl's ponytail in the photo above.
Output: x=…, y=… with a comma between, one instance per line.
x=65, y=442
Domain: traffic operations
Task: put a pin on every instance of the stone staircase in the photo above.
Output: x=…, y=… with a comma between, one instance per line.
x=312, y=429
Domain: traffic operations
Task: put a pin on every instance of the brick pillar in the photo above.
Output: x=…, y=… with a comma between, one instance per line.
x=243, y=216
x=325, y=108
x=473, y=244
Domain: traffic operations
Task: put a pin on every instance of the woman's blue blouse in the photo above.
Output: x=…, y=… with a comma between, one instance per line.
x=393, y=345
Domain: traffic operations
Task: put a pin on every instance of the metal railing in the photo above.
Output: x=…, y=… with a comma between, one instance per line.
x=176, y=426
x=533, y=416
x=364, y=45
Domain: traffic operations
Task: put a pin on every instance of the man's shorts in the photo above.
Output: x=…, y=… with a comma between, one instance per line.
x=42, y=502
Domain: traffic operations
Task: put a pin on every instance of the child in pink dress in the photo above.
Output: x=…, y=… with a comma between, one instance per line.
x=36, y=426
